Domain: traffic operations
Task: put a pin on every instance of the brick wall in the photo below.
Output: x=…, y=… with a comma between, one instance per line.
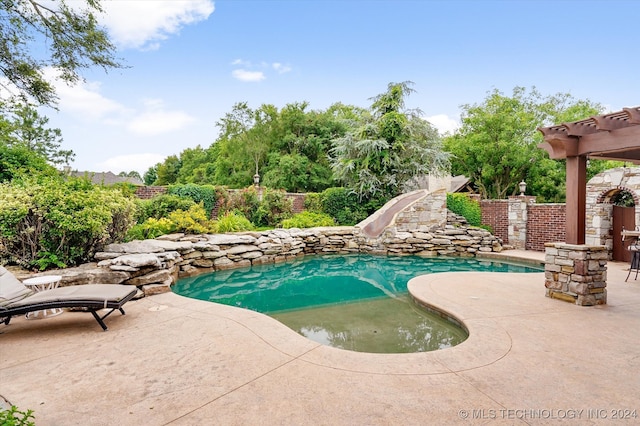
x=298, y=201
x=545, y=224
x=495, y=213
x=147, y=192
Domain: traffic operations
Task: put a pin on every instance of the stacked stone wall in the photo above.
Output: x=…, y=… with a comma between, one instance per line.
x=576, y=273
x=518, y=208
x=154, y=265
x=425, y=214
x=600, y=191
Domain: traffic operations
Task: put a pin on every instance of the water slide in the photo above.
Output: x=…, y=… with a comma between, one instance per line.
x=374, y=225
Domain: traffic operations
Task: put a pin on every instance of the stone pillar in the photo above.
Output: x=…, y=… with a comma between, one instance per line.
x=576, y=273
x=517, y=213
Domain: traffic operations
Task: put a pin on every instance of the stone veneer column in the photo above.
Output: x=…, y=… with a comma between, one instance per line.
x=576, y=273
x=517, y=212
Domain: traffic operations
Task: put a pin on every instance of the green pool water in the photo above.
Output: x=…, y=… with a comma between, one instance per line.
x=356, y=302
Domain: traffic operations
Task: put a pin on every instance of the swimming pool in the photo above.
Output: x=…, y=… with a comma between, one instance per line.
x=357, y=302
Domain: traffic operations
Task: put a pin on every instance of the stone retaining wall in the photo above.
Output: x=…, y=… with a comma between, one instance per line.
x=154, y=265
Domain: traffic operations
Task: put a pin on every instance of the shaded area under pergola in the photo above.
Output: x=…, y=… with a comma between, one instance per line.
x=614, y=136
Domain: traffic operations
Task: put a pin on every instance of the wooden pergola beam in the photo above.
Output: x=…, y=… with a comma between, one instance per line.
x=614, y=136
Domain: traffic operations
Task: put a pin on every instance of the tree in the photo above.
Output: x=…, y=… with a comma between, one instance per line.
x=241, y=145
x=131, y=174
x=391, y=146
x=290, y=172
x=151, y=175
x=23, y=126
x=167, y=172
x=496, y=146
x=69, y=40
x=194, y=166
x=274, y=142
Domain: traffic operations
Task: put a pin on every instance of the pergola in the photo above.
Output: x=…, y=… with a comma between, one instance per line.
x=614, y=136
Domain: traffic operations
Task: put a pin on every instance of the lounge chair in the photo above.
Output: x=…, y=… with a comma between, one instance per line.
x=17, y=299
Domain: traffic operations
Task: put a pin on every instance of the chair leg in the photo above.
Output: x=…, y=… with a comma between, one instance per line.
x=100, y=319
x=635, y=264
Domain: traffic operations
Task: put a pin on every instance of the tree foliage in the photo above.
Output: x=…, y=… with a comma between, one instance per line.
x=151, y=175
x=496, y=146
x=288, y=148
x=22, y=126
x=131, y=174
x=380, y=154
x=69, y=40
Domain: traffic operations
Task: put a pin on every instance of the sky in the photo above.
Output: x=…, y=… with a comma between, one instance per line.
x=189, y=61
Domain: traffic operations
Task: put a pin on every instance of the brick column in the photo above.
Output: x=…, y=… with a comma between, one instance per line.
x=517, y=214
x=576, y=273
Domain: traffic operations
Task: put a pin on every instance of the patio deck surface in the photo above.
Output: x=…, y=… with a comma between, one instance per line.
x=172, y=360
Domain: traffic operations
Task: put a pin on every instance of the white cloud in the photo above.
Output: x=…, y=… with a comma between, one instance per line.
x=247, y=74
x=85, y=101
x=151, y=123
x=127, y=163
x=443, y=123
x=280, y=68
x=142, y=24
x=244, y=75
x=241, y=62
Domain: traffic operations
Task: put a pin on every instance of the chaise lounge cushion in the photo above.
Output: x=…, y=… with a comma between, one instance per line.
x=11, y=289
x=97, y=293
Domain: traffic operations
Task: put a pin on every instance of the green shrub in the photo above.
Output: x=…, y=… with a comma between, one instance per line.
x=308, y=219
x=53, y=222
x=274, y=207
x=313, y=202
x=126, y=188
x=205, y=194
x=193, y=221
x=17, y=162
x=233, y=222
x=463, y=205
x=161, y=205
x=342, y=204
x=150, y=228
x=15, y=417
x=46, y=260
x=246, y=202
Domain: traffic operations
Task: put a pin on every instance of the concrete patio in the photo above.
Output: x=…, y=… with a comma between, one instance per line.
x=172, y=360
